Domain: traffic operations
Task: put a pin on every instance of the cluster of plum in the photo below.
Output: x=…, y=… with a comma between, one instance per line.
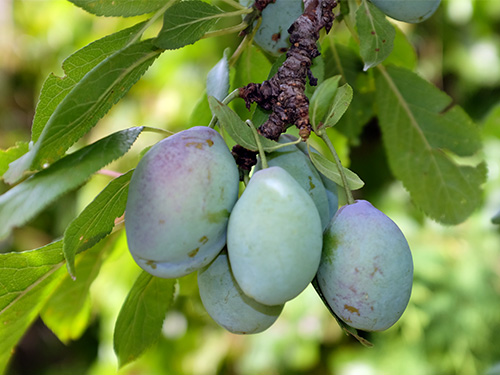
x=256, y=251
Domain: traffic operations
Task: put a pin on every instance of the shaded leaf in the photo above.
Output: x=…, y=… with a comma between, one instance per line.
x=88, y=101
x=11, y=154
x=119, y=8
x=423, y=137
x=218, y=79
x=24, y=201
x=141, y=317
x=376, y=34
x=237, y=129
x=185, y=23
x=75, y=67
x=26, y=280
x=97, y=220
x=322, y=99
x=329, y=170
x=339, y=106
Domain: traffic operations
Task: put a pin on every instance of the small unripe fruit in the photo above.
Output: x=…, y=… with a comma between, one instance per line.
x=366, y=269
x=226, y=303
x=274, y=238
x=179, y=200
x=411, y=11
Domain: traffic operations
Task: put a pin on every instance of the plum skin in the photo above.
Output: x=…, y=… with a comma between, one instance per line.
x=180, y=197
x=410, y=11
x=226, y=303
x=274, y=238
x=366, y=270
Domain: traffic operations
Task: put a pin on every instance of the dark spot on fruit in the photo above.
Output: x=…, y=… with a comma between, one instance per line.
x=151, y=263
x=351, y=309
x=283, y=50
x=161, y=221
x=198, y=145
x=276, y=37
x=311, y=185
x=203, y=240
x=216, y=217
x=192, y=253
x=210, y=142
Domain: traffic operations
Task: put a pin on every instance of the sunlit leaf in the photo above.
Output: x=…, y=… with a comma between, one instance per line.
x=141, y=317
x=97, y=220
x=88, y=101
x=422, y=137
x=218, y=79
x=11, y=154
x=376, y=34
x=26, y=280
x=119, y=8
x=322, y=99
x=24, y=201
x=185, y=23
x=339, y=106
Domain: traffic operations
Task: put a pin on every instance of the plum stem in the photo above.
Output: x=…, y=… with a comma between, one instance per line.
x=329, y=144
x=262, y=153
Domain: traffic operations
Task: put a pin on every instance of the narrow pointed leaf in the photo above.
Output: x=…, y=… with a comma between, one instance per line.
x=97, y=219
x=340, y=104
x=141, y=317
x=119, y=8
x=26, y=280
x=24, y=201
x=322, y=99
x=376, y=34
x=218, y=79
x=87, y=102
x=75, y=67
x=185, y=23
x=423, y=137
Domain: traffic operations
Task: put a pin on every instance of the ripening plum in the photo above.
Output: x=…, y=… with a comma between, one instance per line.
x=366, y=269
x=300, y=167
x=411, y=11
x=228, y=305
x=272, y=35
x=274, y=238
x=179, y=201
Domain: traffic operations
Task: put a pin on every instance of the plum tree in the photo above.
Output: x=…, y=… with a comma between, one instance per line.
x=180, y=197
x=274, y=238
x=366, y=269
x=410, y=11
x=226, y=303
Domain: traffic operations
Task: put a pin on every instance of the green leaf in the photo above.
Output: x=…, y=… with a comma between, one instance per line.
x=322, y=99
x=403, y=54
x=218, y=79
x=26, y=280
x=330, y=170
x=252, y=66
x=185, y=23
x=11, y=154
x=423, y=136
x=341, y=102
x=68, y=311
x=237, y=129
x=97, y=220
x=87, y=102
x=75, y=67
x=496, y=219
x=141, y=317
x=119, y=8
x=376, y=34
x=24, y=201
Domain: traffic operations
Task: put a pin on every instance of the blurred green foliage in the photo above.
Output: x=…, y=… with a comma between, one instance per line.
x=452, y=325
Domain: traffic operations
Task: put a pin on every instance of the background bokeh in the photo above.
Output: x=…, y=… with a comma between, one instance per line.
x=452, y=324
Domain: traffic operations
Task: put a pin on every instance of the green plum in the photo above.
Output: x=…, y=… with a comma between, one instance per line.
x=300, y=167
x=277, y=17
x=274, y=238
x=179, y=201
x=410, y=11
x=366, y=269
x=228, y=305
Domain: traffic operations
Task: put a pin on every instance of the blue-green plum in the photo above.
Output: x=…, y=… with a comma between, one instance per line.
x=410, y=11
x=272, y=35
x=274, y=238
x=366, y=269
x=226, y=303
x=179, y=200
x=300, y=167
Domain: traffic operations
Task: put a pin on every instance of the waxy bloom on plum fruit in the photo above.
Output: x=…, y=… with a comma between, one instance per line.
x=180, y=198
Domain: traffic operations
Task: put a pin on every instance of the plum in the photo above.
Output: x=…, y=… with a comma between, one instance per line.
x=300, y=167
x=410, y=11
x=274, y=238
x=179, y=201
x=226, y=303
x=272, y=35
x=366, y=269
